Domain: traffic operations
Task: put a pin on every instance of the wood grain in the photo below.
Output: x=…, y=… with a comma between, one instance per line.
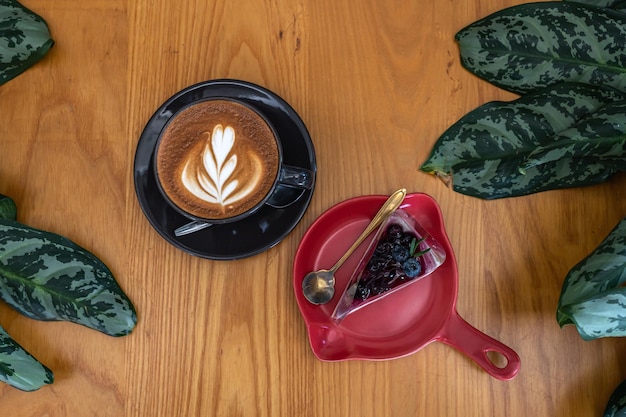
x=376, y=84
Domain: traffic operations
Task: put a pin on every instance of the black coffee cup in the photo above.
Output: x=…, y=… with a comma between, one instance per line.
x=211, y=150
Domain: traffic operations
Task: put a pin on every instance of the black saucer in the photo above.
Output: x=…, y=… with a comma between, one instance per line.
x=254, y=234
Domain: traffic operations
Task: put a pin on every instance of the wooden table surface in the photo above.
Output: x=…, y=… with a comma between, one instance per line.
x=376, y=83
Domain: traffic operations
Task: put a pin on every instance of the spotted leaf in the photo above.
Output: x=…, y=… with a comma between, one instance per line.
x=599, y=136
x=24, y=39
x=611, y=4
x=535, y=45
x=7, y=208
x=45, y=276
x=19, y=368
x=616, y=406
x=534, y=143
x=593, y=296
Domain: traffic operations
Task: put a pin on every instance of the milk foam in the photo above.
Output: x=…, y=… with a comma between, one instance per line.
x=209, y=176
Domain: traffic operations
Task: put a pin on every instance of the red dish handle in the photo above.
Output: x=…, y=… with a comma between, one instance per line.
x=463, y=336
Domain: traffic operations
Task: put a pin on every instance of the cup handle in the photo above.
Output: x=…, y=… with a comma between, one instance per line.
x=291, y=185
x=291, y=176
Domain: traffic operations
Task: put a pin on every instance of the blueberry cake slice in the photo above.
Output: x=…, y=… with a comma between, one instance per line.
x=400, y=253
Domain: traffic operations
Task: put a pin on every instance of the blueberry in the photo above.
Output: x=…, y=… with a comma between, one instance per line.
x=383, y=248
x=379, y=289
x=375, y=264
x=394, y=231
x=362, y=292
x=395, y=273
x=406, y=239
x=412, y=267
x=400, y=253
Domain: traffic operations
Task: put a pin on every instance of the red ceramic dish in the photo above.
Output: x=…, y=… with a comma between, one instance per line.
x=403, y=322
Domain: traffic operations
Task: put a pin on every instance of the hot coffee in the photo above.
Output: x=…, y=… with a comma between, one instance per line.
x=217, y=159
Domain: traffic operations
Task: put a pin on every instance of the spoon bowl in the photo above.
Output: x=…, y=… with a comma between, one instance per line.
x=319, y=286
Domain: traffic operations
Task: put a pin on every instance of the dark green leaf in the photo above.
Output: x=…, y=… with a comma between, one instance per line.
x=599, y=136
x=616, y=163
x=616, y=406
x=496, y=150
x=593, y=296
x=610, y=4
x=620, y=6
x=19, y=368
x=8, y=210
x=535, y=45
x=24, y=39
x=598, y=3
x=47, y=277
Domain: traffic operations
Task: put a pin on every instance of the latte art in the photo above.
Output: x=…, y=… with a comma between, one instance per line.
x=217, y=159
x=209, y=176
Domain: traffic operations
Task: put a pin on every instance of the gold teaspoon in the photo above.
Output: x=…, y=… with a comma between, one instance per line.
x=318, y=287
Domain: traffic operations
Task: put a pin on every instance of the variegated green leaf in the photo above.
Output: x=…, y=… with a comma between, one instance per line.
x=598, y=3
x=7, y=208
x=620, y=6
x=483, y=154
x=47, y=277
x=593, y=296
x=616, y=163
x=535, y=45
x=599, y=136
x=24, y=39
x=19, y=368
x=616, y=406
x=611, y=4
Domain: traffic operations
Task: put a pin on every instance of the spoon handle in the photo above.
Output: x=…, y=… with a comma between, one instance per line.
x=191, y=227
x=392, y=203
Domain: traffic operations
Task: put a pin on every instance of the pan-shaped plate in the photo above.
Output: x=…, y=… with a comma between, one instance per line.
x=403, y=322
